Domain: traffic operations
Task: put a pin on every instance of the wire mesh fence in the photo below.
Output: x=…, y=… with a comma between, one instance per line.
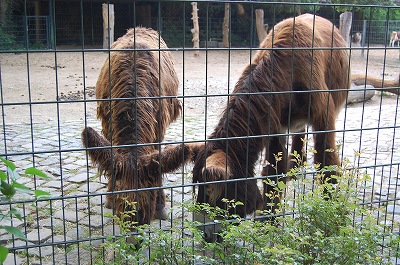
x=144, y=152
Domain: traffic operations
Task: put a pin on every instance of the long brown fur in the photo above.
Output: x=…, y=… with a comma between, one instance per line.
x=136, y=90
x=282, y=89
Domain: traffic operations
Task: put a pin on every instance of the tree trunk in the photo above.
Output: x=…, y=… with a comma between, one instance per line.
x=143, y=15
x=225, y=27
x=262, y=29
x=298, y=10
x=240, y=10
x=345, y=25
x=195, y=29
x=108, y=25
x=37, y=21
x=3, y=11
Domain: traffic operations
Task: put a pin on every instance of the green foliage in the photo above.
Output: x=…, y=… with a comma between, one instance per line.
x=7, y=41
x=325, y=225
x=370, y=9
x=9, y=189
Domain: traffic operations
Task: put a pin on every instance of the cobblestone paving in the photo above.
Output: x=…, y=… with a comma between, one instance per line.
x=67, y=228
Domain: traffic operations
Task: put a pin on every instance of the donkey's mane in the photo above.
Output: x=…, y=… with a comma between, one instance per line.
x=251, y=109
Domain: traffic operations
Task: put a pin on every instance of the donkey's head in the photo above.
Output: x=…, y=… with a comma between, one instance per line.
x=114, y=162
x=211, y=165
x=127, y=170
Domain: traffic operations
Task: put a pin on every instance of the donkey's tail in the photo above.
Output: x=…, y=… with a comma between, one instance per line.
x=391, y=86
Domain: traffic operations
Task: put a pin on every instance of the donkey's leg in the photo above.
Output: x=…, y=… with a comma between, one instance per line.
x=209, y=228
x=109, y=203
x=324, y=139
x=161, y=212
x=276, y=155
x=297, y=147
x=112, y=185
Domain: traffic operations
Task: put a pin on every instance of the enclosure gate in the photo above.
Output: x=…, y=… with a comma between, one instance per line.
x=48, y=96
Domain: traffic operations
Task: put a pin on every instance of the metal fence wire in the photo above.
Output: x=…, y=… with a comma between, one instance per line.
x=169, y=128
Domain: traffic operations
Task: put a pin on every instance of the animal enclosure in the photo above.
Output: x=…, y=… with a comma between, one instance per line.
x=49, y=96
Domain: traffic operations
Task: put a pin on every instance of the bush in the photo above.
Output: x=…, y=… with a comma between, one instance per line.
x=7, y=41
x=325, y=225
x=9, y=189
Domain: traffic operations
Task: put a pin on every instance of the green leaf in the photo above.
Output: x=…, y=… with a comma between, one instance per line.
x=3, y=254
x=13, y=174
x=36, y=172
x=3, y=176
x=40, y=194
x=281, y=185
x=16, y=213
x=14, y=231
x=7, y=189
x=21, y=187
x=8, y=163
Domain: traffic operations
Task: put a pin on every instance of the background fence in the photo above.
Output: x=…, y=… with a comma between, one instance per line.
x=47, y=98
x=82, y=24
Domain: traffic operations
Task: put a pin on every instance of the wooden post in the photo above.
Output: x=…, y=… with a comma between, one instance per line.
x=37, y=21
x=345, y=25
x=225, y=27
x=143, y=15
x=364, y=35
x=262, y=29
x=108, y=25
x=240, y=10
x=195, y=29
x=298, y=10
x=3, y=11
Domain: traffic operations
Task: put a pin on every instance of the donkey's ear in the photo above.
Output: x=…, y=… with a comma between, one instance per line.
x=168, y=160
x=100, y=156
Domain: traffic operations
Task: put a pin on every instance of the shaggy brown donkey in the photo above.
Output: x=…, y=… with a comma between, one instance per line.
x=300, y=76
x=136, y=89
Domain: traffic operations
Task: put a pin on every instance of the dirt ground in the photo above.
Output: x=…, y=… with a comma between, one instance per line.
x=41, y=87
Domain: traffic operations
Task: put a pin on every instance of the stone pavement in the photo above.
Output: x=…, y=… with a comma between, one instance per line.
x=69, y=228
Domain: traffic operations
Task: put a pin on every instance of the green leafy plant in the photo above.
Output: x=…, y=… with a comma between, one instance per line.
x=9, y=189
x=7, y=41
x=324, y=223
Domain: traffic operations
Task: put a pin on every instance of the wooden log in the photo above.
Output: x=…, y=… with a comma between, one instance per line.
x=108, y=25
x=195, y=29
x=262, y=29
x=387, y=85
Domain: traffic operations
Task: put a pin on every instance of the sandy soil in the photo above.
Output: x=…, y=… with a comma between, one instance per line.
x=39, y=87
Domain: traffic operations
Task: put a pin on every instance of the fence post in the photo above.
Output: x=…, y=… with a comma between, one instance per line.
x=345, y=25
x=364, y=33
x=262, y=29
x=108, y=25
x=195, y=30
x=51, y=25
x=225, y=26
